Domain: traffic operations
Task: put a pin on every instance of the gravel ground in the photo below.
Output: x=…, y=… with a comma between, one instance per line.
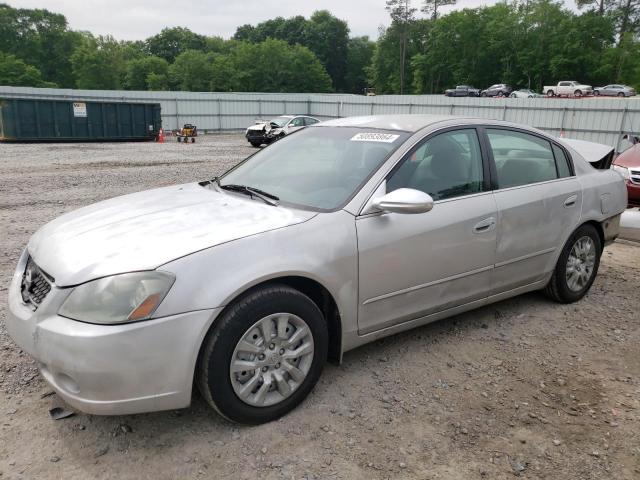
x=523, y=388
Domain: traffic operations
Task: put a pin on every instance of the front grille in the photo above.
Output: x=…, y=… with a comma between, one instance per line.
x=255, y=133
x=36, y=284
x=634, y=176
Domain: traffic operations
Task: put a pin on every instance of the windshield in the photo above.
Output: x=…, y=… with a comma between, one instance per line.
x=280, y=121
x=317, y=167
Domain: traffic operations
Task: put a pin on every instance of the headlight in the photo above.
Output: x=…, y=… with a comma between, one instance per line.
x=624, y=171
x=118, y=299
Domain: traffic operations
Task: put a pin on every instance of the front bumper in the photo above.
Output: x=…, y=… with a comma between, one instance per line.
x=110, y=369
x=633, y=193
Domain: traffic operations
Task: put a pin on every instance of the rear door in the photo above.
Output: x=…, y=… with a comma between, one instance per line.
x=539, y=202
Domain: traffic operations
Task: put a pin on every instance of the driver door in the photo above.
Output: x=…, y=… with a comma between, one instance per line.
x=414, y=265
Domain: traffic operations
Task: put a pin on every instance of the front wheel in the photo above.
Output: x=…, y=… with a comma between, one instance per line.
x=577, y=266
x=620, y=94
x=255, y=144
x=264, y=355
x=577, y=93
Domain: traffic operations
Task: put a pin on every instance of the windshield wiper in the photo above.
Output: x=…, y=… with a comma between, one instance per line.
x=252, y=192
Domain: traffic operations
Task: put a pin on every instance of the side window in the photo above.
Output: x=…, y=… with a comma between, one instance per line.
x=297, y=122
x=445, y=166
x=521, y=158
x=562, y=162
x=310, y=121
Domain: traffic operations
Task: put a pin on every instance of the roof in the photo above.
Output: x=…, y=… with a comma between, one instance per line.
x=407, y=123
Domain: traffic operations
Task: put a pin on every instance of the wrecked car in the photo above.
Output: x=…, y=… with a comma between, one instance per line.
x=265, y=132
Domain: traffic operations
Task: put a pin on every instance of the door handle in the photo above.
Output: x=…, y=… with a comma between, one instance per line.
x=485, y=225
x=571, y=201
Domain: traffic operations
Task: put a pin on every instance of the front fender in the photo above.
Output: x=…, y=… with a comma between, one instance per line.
x=323, y=249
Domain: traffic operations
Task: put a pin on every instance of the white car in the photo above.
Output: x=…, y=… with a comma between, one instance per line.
x=268, y=131
x=568, y=89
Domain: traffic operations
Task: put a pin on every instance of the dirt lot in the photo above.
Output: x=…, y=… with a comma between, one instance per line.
x=522, y=388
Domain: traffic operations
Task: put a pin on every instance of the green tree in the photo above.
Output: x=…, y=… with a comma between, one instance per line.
x=191, y=71
x=430, y=7
x=275, y=66
x=142, y=70
x=171, y=42
x=324, y=34
x=98, y=64
x=359, y=56
x=402, y=15
x=15, y=72
x=328, y=37
x=40, y=38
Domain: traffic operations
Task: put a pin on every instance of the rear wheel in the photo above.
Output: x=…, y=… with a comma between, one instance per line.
x=596, y=93
x=550, y=93
x=620, y=94
x=264, y=355
x=577, y=266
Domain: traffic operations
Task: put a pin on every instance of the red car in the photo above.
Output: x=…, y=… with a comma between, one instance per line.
x=627, y=164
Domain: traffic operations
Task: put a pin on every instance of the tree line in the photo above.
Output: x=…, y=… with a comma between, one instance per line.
x=523, y=43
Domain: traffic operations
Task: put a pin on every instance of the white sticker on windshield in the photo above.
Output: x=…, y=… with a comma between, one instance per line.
x=375, y=137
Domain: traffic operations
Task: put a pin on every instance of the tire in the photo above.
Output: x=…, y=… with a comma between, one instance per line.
x=193, y=140
x=255, y=144
x=483, y=94
x=596, y=93
x=559, y=287
x=577, y=93
x=550, y=93
x=221, y=388
x=178, y=139
x=620, y=94
x=501, y=93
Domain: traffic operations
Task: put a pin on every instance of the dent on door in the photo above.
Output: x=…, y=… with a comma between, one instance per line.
x=415, y=265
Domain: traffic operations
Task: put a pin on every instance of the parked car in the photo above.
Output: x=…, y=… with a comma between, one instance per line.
x=568, y=89
x=462, y=91
x=497, y=90
x=268, y=131
x=627, y=164
x=344, y=233
x=524, y=93
x=615, y=90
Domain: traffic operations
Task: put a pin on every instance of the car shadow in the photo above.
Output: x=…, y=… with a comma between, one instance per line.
x=153, y=433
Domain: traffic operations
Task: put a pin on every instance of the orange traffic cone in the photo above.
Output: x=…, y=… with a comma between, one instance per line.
x=161, y=136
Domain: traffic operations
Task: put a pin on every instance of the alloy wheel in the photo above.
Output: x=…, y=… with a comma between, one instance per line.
x=580, y=263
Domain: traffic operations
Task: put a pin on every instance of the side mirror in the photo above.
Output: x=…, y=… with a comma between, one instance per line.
x=404, y=200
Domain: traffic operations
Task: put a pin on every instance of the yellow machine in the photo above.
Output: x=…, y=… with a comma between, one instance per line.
x=187, y=132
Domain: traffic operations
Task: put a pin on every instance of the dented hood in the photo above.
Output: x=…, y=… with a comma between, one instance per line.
x=144, y=230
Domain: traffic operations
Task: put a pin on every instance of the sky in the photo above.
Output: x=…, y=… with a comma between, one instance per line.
x=139, y=19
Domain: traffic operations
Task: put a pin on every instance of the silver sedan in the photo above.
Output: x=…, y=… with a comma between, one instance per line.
x=614, y=90
x=340, y=234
